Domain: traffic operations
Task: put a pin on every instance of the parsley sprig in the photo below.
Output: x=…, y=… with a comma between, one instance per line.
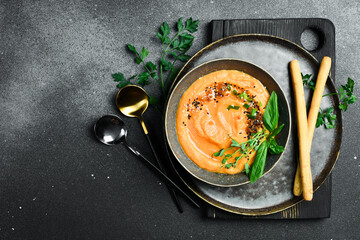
x=261, y=141
x=327, y=117
x=173, y=49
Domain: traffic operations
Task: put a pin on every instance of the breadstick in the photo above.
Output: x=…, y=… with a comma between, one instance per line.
x=313, y=113
x=304, y=153
x=317, y=96
x=297, y=190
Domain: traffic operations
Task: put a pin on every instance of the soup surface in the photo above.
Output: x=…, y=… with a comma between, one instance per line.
x=215, y=109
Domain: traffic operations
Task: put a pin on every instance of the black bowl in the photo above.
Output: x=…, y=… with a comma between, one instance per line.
x=218, y=179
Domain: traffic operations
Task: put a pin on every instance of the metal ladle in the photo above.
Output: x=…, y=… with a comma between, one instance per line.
x=111, y=130
x=132, y=101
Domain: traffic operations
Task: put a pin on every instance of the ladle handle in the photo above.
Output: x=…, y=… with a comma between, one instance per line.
x=161, y=173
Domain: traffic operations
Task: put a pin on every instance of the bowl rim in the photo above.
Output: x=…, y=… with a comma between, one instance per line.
x=167, y=113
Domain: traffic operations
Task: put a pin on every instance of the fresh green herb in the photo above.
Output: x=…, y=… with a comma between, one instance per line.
x=277, y=130
x=228, y=87
x=229, y=165
x=247, y=168
x=233, y=107
x=252, y=114
x=258, y=166
x=176, y=47
x=274, y=148
x=346, y=94
x=244, y=95
x=122, y=82
x=260, y=104
x=173, y=49
x=234, y=143
x=220, y=153
x=235, y=92
x=260, y=141
x=270, y=119
x=308, y=81
x=271, y=114
x=328, y=117
x=246, y=106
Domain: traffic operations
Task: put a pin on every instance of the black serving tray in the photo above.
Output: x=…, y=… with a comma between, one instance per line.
x=290, y=29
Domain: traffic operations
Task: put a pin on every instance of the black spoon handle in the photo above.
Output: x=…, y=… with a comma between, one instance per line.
x=161, y=166
x=161, y=173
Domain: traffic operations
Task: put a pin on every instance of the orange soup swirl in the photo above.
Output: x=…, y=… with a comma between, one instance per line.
x=215, y=109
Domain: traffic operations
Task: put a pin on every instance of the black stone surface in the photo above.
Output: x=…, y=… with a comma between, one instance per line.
x=57, y=182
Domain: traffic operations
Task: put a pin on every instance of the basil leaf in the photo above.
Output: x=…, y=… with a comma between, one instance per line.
x=257, y=168
x=274, y=148
x=271, y=114
x=277, y=130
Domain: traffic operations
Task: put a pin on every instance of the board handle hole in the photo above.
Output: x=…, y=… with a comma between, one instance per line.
x=312, y=39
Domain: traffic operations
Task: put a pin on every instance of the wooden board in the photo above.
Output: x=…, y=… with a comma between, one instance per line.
x=290, y=29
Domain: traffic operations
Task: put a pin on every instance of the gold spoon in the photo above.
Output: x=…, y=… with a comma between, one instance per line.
x=132, y=101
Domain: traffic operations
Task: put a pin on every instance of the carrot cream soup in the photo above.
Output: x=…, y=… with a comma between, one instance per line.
x=215, y=109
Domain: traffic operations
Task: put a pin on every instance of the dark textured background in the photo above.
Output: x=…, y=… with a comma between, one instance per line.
x=57, y=182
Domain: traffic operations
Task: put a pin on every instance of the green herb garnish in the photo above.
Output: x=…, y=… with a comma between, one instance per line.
x=258, y=166
x=220, y=153
x=233, y=107
x=308, y=81
x=173, y=49
x=260, y=141
x=246, y=106
x=252, y=114
x=244, y=95
x=271, y=114
x=247, y=168
x=328, y=117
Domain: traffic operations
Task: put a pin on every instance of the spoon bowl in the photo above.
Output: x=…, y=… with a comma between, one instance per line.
x=132, y=101
x=110, y=130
